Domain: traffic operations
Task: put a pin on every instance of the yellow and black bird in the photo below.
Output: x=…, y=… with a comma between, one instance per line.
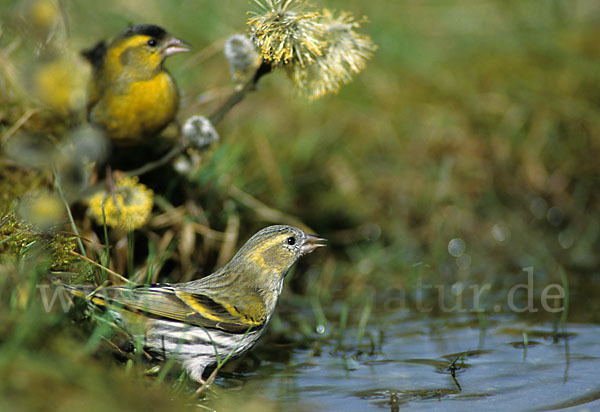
x=131, y=95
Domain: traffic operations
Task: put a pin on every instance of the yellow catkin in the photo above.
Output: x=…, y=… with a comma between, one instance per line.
x=127, y=208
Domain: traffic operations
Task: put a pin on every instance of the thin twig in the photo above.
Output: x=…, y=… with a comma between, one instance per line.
x=112, y=272
x=148, y=167
x=22, y=120
x=264, y=211
x=238, y=95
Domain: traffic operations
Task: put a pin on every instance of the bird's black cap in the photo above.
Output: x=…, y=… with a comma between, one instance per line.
x=145, y=29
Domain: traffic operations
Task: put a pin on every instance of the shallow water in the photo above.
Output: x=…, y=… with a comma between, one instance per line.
x=410, y=368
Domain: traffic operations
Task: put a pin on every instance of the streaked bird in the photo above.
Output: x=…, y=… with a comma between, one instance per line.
x=204, y=321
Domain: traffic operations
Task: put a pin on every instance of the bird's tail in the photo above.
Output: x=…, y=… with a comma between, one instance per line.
x=92, y=294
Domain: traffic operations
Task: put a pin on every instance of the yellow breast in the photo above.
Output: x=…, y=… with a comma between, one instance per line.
x=138, y=109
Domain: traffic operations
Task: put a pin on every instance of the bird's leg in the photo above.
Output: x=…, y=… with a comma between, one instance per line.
x=205, y=384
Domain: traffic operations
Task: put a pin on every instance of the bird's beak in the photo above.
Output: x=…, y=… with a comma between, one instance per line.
x=174, y=46
x=311, y=243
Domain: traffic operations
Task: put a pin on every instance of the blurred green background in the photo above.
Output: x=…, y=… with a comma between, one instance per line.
x=465, y=152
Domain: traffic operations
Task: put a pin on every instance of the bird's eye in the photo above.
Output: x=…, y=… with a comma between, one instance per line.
x=151, y=42
x=291, y=240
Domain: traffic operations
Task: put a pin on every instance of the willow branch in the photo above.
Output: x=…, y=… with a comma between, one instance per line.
x=216, y=117
x=238, y=95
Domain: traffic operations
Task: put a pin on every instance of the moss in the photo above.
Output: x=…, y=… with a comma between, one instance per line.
x=20, y=241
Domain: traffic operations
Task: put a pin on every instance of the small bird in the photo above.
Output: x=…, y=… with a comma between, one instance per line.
x=204, y=321
x=131, y=96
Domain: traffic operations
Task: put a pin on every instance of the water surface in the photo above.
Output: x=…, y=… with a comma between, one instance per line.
x=509, y=364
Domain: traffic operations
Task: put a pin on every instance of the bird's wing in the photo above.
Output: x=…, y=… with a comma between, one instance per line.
x=246, y=312
x=168, y=303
